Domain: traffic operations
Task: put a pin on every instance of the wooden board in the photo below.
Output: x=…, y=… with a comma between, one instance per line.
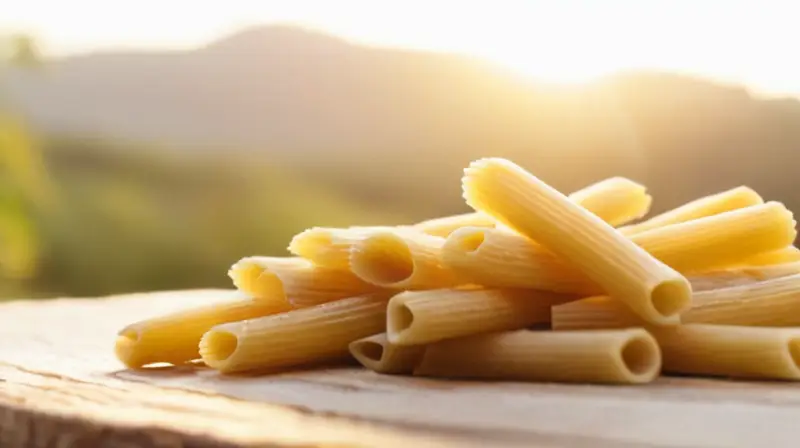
x=60, y=385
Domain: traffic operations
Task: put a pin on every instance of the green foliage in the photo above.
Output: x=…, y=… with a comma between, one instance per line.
x=144, y=220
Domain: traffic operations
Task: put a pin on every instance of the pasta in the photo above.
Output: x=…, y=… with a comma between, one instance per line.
x=379, y=355
x=518, y=199
x=786, y=255
x=736, y=198
x=774, y=302
x=174, y=338
x=604, y=356
x=401, y=259
x=329, y=246
x=503, y=259
x=298, y=337
x=616, y=200
x=726, y=278
x=295, y=281
x=421, y=317
x=533, y=285
x=731, y=351
x=446, y=225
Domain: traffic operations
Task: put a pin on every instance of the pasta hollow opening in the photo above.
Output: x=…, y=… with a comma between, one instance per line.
x=670, y=297
x=639, y=356
x=310, y=241
x=470, y=240
x=384, y=260
x=371, y=350
x=219, y=345
x=401, y=319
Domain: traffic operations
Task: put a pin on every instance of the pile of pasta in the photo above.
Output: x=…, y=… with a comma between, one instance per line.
x=533, y=286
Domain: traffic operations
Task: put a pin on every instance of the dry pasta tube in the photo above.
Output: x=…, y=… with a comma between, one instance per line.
x=788, y=254
x=722, y=240
x=422, y=317
x=174, y=338
x=726, y=278
x=295, y=281
x=401, y=259
x=733, y=199
x=731, y=351
x=379, y=355
x=774, y=302
x=606, y=356
x=518, y=199
x=503, y=259
x=299, y=337
x=616, y=200
x=446, y=225
x=329, y=246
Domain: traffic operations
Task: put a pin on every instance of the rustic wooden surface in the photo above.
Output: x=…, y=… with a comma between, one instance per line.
x=60, y=385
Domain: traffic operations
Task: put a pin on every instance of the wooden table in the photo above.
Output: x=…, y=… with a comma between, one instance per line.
x=60, y=385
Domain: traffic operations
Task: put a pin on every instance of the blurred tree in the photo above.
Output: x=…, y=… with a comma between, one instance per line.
x=24, y=187
x=21, y=50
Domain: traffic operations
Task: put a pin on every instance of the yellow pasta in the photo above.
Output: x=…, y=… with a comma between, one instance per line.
x=295, y=281
x=174, y=338
x=616, y=200
x=298, y=337
x=421, y=317
x=736, y=198
x=329, y=246
x=401, y=259
x=446, y=225
x=502, y=259
x=612, y=356
x=774, y=302
x=721, y=240
x=788, y=254
x=379, y=355
x=737, y=276
x=731, y=351
x=515, y=197
x=496, y=258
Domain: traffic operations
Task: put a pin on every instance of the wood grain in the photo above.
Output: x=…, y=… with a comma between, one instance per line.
x=61, y=386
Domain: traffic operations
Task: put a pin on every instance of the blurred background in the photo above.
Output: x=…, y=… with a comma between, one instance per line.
x=148, y=145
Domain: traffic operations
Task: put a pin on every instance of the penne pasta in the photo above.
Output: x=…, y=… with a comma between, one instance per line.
x=788, y=254
x=610, y=356
x=726, y=278
x=774, y=302
x=379, y=355
x=421, y=317
x=733, y=199
x=626, y=271
x=705, y=243
x=730, y=351
x=299, y=337
x=446, y=225
x=401, y=259
x=295, y=281
x=616, y=200
x=329, y=246
x=174, y=338
x=503, y=259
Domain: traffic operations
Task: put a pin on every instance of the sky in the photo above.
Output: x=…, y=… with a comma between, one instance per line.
x=567, y=41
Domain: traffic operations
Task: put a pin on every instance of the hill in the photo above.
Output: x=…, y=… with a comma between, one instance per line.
x=393, y=128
